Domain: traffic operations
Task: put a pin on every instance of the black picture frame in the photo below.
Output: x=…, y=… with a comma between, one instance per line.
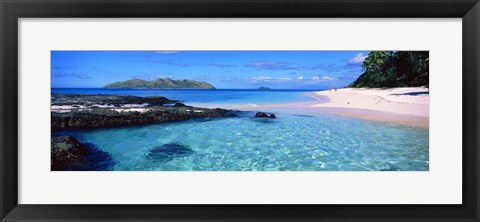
x=12, y=10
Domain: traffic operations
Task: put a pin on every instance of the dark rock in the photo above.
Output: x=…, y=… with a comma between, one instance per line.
x=168, y=152
x=96, y=117
x=102, y=118
x=67, y=152
x=97, y=160
x=264, y=115
x=106, y=99
x=179, y=105
x=261, y=115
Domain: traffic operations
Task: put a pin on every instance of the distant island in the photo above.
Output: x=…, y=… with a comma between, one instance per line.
x=165, y=83
x=264, y=88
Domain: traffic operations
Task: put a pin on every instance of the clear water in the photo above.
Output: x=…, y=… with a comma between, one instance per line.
x=288, y=143
x=291, y=142
x=204, y=96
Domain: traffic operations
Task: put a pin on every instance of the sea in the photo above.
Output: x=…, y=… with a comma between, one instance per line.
x=294, y=141
x=209, y=96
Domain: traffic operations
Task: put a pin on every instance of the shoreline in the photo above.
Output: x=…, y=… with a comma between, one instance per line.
x=407, y=101
x=402, y=105
x=406, y=106
x=379, y=116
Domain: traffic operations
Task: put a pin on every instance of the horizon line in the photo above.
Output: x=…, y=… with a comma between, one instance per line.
x=192, y=88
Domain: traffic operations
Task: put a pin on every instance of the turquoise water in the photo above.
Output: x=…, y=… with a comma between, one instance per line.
x=289, y=143
x=204, y=96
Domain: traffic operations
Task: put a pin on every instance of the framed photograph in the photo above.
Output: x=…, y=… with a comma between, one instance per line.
x=228, y=110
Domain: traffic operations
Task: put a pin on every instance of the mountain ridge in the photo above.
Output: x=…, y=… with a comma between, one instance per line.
x=162, y=83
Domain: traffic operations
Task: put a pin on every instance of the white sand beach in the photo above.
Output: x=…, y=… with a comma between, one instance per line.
x=408, y=105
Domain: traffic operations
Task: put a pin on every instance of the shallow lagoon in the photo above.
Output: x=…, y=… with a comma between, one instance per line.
x=292, y=142
x=323, y=142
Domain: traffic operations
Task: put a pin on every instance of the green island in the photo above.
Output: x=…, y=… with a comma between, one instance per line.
x=263, y=88
x=162, y=83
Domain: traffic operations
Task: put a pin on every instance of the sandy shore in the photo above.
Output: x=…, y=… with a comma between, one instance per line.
x=398, y=105
x=407, y=106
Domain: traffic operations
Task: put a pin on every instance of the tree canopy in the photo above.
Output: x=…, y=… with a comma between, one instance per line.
x=394, y=69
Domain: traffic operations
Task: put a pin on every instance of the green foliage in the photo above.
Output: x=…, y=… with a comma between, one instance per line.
x=161, y=84
x=394, y=69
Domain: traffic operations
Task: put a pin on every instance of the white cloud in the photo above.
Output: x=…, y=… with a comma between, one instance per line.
x=328, y=78
x=269, y=79
x=151, y=77
x=323, y=78
x=358, y=59
x=300, y=78
x=269, y=65
x=261, y=78
x=164, y=76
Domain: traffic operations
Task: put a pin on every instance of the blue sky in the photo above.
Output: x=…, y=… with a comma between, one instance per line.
x=223, y=69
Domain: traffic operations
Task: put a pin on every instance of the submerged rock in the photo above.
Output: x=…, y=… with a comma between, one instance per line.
x=168, y=152
x=389, y=167
x=300, y=115
x=97, y=160
x=264, y=115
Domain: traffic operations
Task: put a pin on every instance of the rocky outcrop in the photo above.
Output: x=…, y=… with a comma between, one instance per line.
x=74, y=111
x=102, y=118
x=105, y=99
x=67, y=152
x=264, y=115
